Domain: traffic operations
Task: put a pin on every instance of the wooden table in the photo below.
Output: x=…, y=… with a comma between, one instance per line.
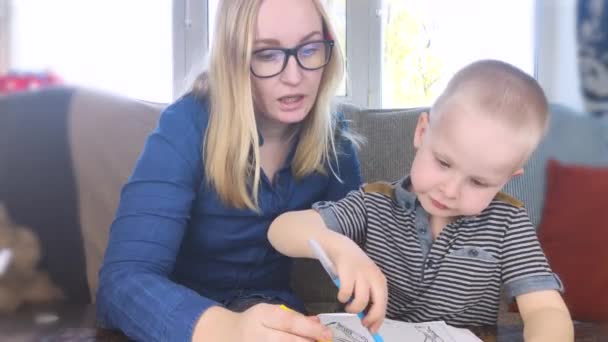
x=77, y=323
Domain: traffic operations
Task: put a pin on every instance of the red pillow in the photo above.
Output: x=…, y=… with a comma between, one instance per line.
x=574, y=235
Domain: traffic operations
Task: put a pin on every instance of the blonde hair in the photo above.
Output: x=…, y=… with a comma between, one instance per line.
x=231, y=151
x=500, y=90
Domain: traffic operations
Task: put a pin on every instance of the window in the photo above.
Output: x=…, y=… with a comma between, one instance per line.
x=119, y=46
x=337, y=10
x=398, y=53
x=425, y=42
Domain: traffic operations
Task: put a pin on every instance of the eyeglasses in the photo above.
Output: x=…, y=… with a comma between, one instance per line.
x=270, y=62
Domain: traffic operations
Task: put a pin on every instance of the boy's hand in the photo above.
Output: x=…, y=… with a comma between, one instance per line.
x=362, y=280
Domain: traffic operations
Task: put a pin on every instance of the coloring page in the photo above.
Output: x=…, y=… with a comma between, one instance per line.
x=347, y=328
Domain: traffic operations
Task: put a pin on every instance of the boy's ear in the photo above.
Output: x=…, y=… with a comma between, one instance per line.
x=518, y=172
x=422, y=127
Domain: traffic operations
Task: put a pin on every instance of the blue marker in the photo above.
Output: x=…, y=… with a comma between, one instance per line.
x=328, y=266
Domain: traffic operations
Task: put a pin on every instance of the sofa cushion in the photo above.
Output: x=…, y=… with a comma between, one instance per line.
x=106, y=134
x=37, y=182
x=574, y=235
x=64, y=155
x=388, y=151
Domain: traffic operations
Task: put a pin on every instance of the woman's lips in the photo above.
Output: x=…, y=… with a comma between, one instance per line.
x=291, y=103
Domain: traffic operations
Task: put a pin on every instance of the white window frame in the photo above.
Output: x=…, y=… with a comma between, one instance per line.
x=5, y=34
x=364, y=84
x=363, y=47
x=190, y=41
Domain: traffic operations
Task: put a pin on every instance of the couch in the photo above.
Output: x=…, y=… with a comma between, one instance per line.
x=66, y=152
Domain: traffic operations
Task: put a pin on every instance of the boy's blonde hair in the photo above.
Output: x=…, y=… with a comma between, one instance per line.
x=231, y=151
x=502, y=91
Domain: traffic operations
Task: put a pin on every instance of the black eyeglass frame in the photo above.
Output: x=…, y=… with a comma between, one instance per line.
x=294, y=52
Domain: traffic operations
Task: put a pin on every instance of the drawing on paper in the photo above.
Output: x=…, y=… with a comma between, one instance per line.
x=429, y=334
x=342, y=333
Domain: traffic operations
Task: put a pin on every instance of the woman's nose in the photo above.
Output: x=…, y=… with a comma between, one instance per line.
x=293, y=73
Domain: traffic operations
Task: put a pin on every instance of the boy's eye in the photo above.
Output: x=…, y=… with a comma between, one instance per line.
x=442, y=162
x=478, y=183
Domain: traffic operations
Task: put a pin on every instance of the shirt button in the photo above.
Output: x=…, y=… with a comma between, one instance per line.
x=473, y=252
x=429, y=263
x=421, y=230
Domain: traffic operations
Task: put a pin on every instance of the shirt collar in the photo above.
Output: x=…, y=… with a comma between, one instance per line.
x=405, y=197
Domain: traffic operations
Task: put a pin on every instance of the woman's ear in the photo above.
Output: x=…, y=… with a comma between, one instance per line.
x=422, y=127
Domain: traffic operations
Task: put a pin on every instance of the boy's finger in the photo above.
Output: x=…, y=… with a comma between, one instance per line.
x=375, y=327
x=375, y=316
x=377, y=310
x=361, y=296
x=346, y=288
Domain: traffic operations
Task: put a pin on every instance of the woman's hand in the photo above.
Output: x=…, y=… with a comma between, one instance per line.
x=360, y=280
x=262, y=322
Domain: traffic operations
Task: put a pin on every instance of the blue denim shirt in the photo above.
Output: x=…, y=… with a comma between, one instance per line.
x=175, y=249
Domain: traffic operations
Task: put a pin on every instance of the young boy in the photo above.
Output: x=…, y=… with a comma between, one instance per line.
x=444, y=236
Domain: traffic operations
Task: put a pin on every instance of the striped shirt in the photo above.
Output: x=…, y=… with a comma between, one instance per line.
x=457, y=277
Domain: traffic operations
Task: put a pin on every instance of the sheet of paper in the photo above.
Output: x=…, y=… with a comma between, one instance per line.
x=394, y=331
x=348, y=328
x=464, y=335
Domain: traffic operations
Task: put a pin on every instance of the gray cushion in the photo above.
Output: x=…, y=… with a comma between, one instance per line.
x=388, y=151
x=572, y=138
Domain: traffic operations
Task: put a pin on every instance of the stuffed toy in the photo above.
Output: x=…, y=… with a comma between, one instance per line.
x=20, y=280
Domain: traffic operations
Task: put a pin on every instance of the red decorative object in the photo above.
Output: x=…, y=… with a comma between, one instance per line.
x=23, y=81
x=574, y=236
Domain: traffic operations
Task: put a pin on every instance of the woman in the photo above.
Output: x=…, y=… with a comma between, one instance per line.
x=188, y=257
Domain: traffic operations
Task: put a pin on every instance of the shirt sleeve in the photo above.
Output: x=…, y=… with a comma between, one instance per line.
x=524, y=266
x=347, y=169
x=347, y=216
x=136, y=294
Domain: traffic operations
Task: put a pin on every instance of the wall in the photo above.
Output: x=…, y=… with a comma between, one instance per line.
x=557, y=67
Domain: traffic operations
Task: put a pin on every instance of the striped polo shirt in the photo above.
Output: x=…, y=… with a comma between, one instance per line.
x=457, y=277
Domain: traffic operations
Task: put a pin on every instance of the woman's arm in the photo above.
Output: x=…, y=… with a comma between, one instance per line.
x=135, y=292
x=545, y=316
